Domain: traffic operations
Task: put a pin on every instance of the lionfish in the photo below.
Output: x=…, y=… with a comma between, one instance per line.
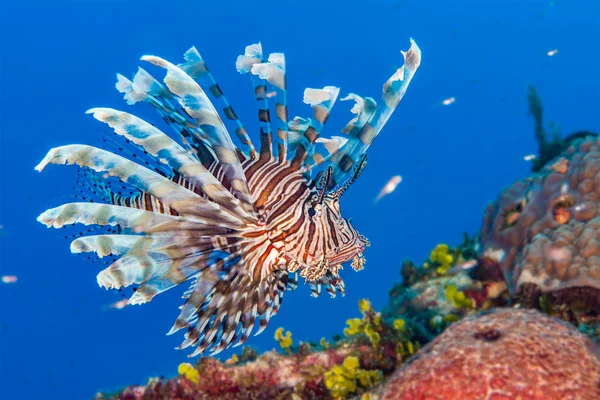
x=241, y=224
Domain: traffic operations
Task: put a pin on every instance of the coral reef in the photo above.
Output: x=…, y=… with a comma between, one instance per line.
x=542, y=235
x=505, y=354
x=319, y=375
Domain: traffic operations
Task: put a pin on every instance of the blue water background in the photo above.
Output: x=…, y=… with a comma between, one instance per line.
x=58, y=339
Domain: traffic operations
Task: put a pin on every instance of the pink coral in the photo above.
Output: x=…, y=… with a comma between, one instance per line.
x=271, y=376
x=542, y=235
x=505, y=354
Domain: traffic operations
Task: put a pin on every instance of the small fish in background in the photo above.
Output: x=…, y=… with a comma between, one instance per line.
x=9, y=278
x=120, y=304
x=530, y=157
x=552, y=52
x=464, y=266
x=445, y=102
x=389, y=187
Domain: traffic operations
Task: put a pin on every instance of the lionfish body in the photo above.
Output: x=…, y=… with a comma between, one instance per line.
x=241, y=224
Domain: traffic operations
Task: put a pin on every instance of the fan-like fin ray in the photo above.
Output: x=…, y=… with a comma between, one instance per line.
x=273, y=71
x=171, y=153
x=139, y=221
x=393, y=91
x=145, y=87
x=197, y=69
x=253, y=55
x=169, y=193
x=195, y=102
x=322, y=101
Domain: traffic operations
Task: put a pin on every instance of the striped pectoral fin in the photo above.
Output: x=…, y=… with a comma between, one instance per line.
x=161, y=146
x=139, y=221
x=104, y=245
x=197, y=105
x=184, y=201
x=197, y=69
x=146, y=88
x=133, y=269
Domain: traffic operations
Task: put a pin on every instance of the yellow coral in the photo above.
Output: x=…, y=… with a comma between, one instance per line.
x=324, y=344
x=399, y=325
x=377, y=319
x=442, y=258
x=372, y=335
x=354, y=327
x=285, y=340
x=342, y=380
x=458, y=298
x=233, y=360
x=188, y=370
x=364, y=306
x=351, y=363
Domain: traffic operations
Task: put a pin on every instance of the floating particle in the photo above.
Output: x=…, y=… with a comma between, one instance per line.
x=552, y=52
x=389, y=187
x=120, y=304
x=9, y=278
x=530, y=157
x=448, y=101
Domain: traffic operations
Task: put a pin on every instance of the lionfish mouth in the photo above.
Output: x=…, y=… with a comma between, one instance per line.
x=364, y=240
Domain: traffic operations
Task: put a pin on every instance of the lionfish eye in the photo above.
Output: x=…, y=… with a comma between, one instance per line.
x=311, y=212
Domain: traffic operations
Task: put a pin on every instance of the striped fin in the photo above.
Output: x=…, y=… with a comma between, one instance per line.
x=197, y=69
x=332, y=282
x=322, y=101
x=145, y=88
x=393, y=91
x=363, y=108
x=171, y=194
x=253, y=54
x=158, y=270
x=113, y=244
x=273, y=71
x=223, y=312
x=139, y=221
x=195, y=102
x=104, y=245
x=171, y=153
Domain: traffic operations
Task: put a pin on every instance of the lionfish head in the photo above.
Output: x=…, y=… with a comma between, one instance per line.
x=342, y=240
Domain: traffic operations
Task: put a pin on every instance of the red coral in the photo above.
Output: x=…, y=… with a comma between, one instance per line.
x=271, y=376
x=505, y=354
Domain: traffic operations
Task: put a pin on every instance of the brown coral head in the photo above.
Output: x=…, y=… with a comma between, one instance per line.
x=491, y=335
x=561, y=165
x=561, y=209
x=512, y=214
x=489, y=266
